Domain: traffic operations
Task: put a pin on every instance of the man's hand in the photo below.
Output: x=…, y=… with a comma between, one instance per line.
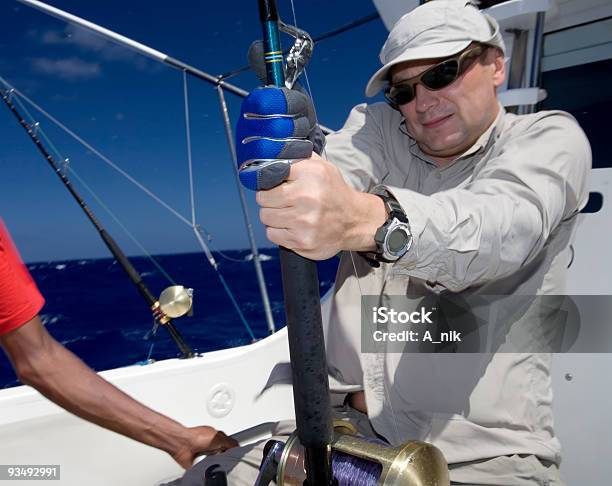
x=202, y=440
x=277, y=127
x=316, y=214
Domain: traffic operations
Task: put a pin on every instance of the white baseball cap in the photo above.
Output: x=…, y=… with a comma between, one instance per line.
x=437, y=29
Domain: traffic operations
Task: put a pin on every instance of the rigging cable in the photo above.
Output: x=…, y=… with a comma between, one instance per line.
x=40, y=131
x=245, y=211
x=69, y=168
x=196, y=228
x=96, y=152
x=126, y=265
x=189, y=152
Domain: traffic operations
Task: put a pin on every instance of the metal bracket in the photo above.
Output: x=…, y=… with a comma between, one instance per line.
x=299, y=54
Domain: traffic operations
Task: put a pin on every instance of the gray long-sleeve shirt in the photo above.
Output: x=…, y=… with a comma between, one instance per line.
x=498, y=221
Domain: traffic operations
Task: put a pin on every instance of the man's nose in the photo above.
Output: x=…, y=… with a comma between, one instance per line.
x=424, y=98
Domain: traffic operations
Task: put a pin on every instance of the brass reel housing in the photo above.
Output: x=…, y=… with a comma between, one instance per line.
x=413, y=463
x=176, y=301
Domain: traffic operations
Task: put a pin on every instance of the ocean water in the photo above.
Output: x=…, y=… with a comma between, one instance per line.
x=96, y=312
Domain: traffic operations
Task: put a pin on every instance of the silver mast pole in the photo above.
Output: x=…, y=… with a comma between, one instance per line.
x=247, y=221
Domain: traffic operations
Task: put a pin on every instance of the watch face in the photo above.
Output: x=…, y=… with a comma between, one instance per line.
x=397, y=241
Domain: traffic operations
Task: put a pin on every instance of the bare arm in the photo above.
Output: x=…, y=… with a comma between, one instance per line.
x=43, y=363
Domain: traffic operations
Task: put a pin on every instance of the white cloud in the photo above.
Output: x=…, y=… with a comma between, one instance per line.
x=49, y=37
x=88, y=41
x=70, y=69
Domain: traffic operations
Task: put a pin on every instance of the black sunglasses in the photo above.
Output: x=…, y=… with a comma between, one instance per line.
x=436, y=77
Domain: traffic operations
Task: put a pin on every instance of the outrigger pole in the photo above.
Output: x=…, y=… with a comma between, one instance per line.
x=303, y=313
x=125, y=263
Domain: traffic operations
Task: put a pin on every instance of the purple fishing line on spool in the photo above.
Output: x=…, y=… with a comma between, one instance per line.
x=355, y=471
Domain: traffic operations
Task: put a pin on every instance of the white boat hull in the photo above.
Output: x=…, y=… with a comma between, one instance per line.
x=224, y=389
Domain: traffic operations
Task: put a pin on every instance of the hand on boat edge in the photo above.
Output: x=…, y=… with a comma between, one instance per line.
x=203, y=440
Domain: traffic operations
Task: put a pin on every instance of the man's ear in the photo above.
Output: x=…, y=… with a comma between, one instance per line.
x=499, y=63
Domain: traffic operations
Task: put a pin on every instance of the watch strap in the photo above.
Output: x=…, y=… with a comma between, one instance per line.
x=394, y=211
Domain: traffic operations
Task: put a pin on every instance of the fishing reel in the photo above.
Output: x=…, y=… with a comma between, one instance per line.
x=176, y=301
x=357, y=460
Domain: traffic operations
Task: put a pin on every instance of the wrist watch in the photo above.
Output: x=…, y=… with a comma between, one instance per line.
x=393, y=239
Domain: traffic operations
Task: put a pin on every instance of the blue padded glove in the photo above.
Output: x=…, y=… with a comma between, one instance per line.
x=277, y=127
x=273, y=131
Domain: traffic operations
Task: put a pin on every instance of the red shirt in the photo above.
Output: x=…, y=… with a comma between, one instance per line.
x=20, y=300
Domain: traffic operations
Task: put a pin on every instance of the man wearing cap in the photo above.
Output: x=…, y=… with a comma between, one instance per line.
x=438, y=192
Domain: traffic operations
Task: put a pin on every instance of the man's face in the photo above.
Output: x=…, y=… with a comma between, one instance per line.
x=445, y=123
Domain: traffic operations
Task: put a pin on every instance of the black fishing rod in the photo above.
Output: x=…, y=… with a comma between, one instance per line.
x=303, y=313
x=125, y=263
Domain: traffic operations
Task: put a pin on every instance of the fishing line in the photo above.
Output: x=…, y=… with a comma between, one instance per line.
x=385, y=385
x=153, y=340
x=352, y=470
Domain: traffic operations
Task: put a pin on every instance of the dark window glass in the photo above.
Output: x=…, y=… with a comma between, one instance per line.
x=585, y=91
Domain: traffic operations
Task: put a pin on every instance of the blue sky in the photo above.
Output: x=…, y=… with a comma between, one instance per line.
x=131, y=109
